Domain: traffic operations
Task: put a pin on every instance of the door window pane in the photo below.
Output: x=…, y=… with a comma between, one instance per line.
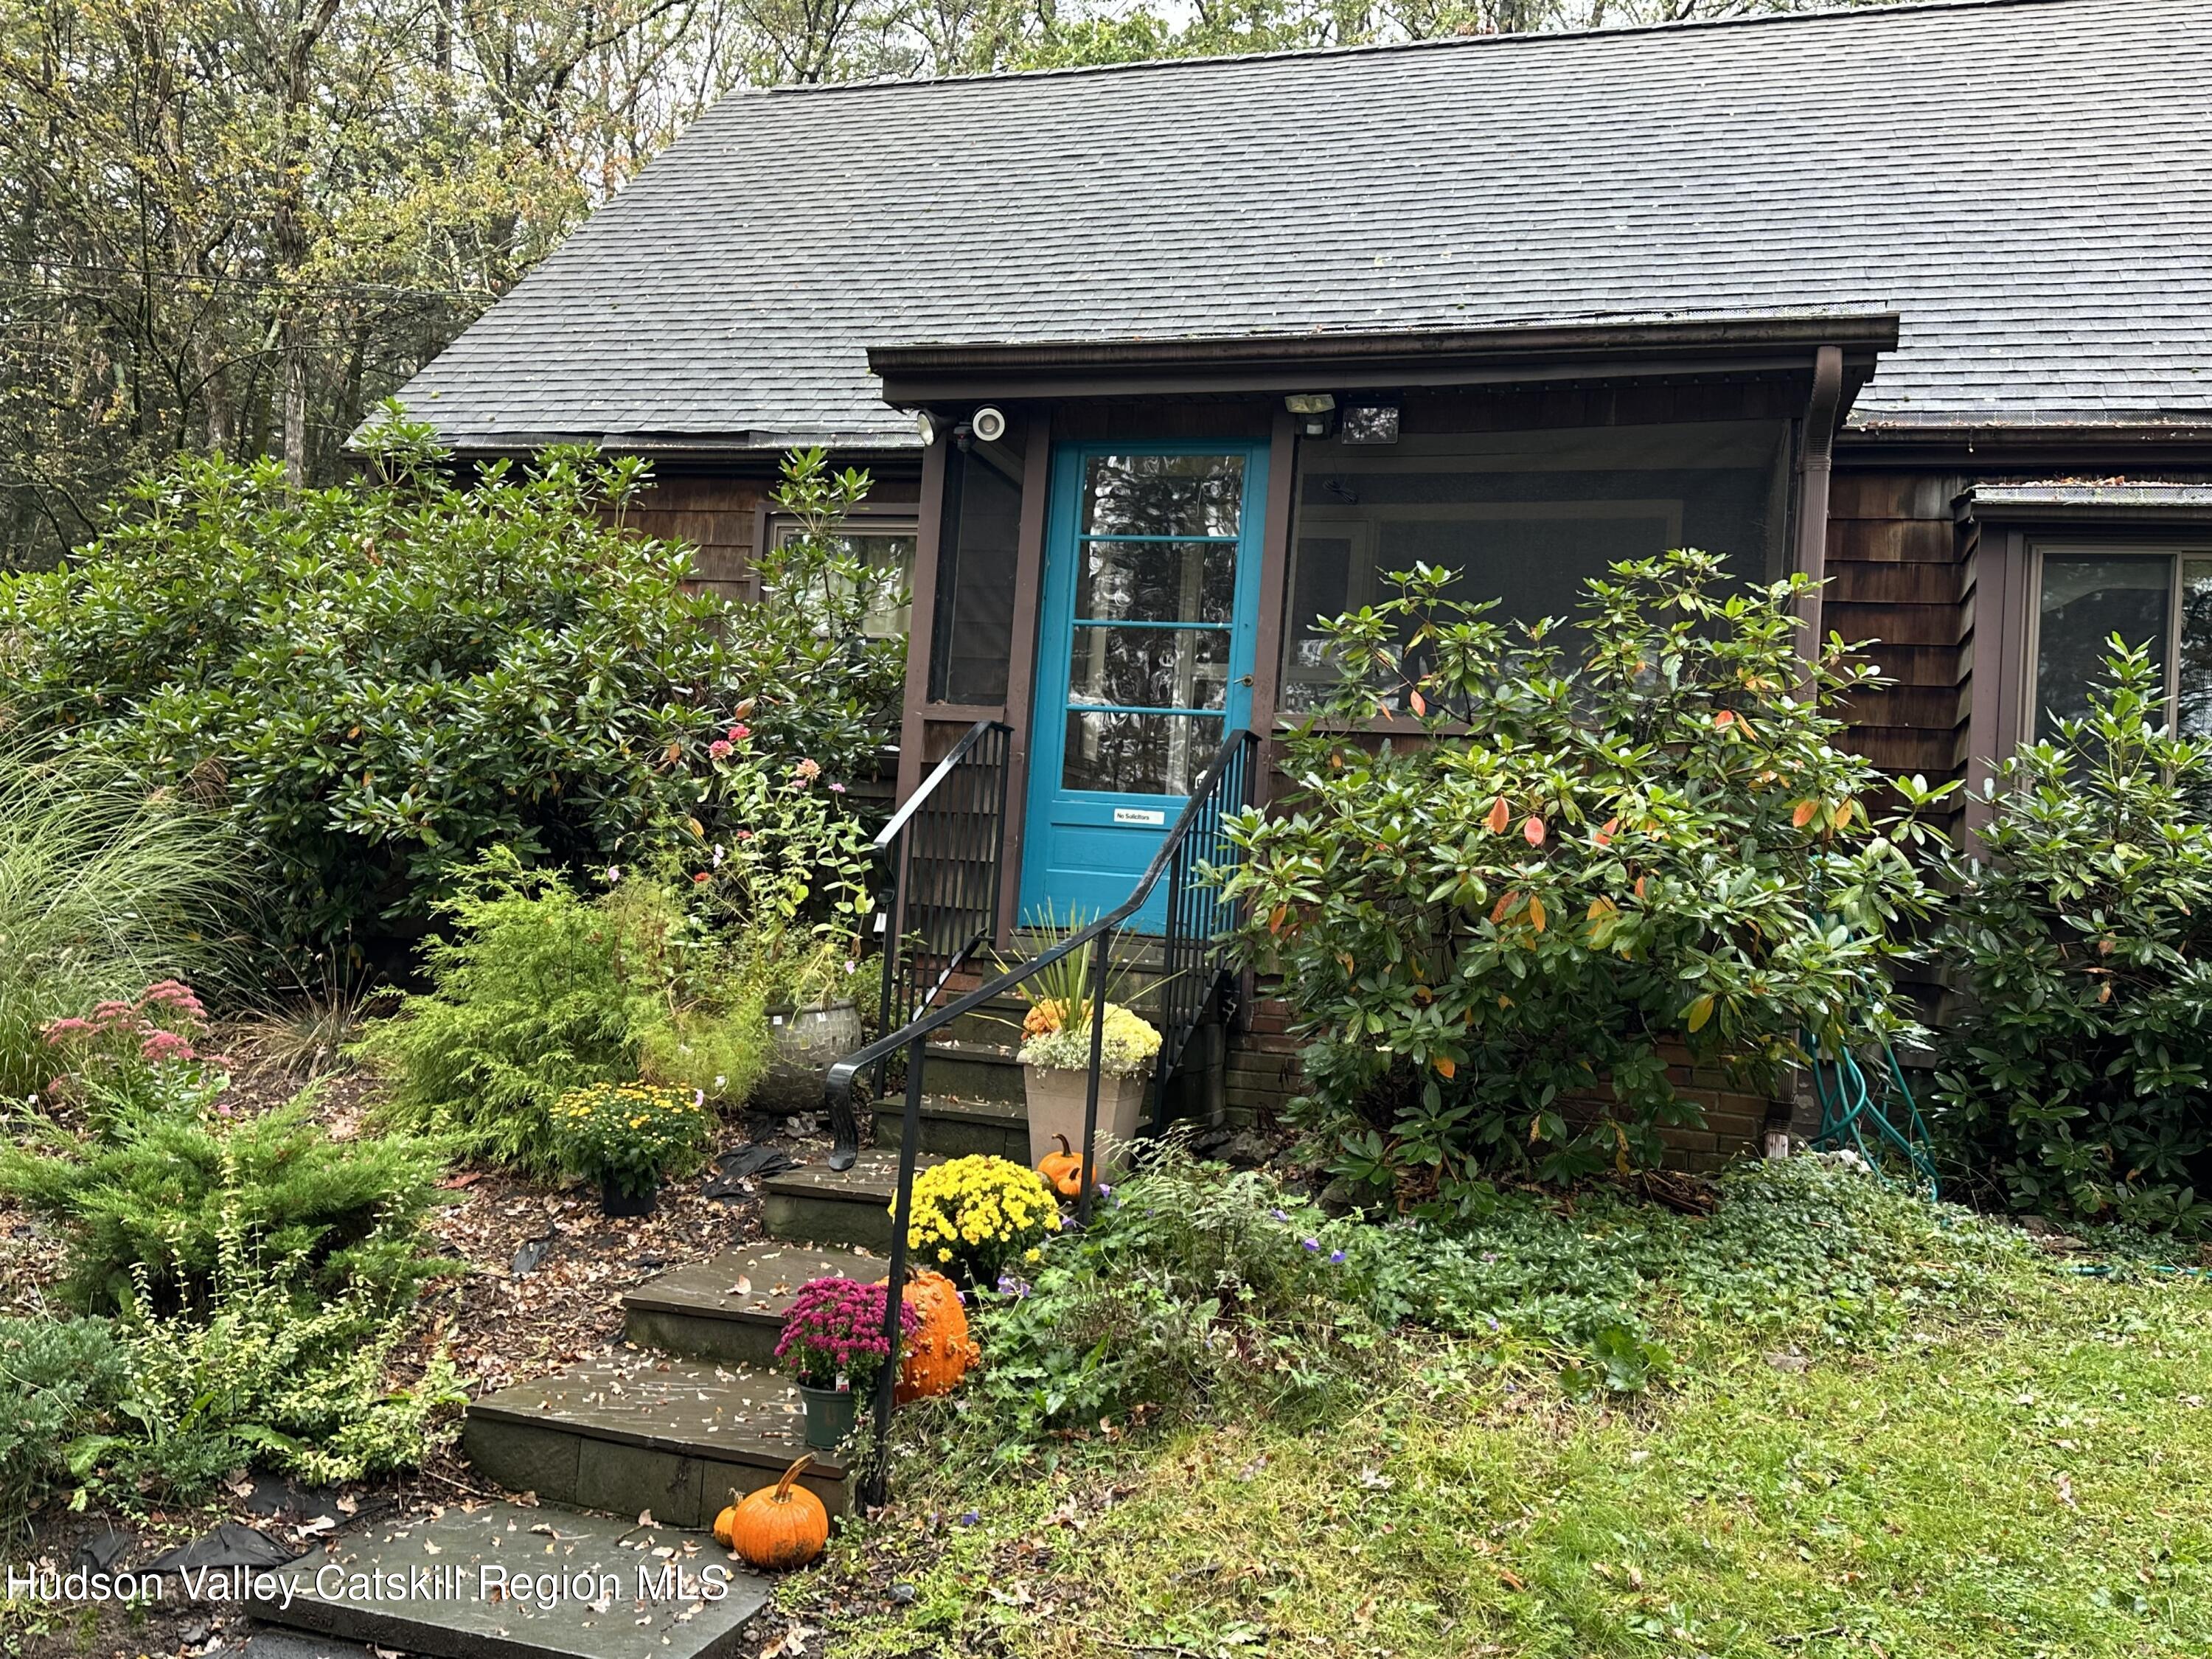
x=1138, y=754
x=2088, y=598
x=1163, y=494
x=1151, y=668
x=1156, y=581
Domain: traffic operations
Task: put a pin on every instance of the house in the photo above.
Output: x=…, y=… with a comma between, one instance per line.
x=1156, y=364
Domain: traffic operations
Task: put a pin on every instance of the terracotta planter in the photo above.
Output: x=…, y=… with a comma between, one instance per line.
x=808, y=1042
x=1056, y=1101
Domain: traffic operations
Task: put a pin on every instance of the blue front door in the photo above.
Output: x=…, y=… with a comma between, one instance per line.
x=1143, y=659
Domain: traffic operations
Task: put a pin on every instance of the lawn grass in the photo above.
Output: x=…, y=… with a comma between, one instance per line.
x=2028, y=1475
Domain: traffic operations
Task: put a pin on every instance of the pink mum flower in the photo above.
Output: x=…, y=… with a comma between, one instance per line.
x=718, y=750
x=699, y=880
x=740, y=733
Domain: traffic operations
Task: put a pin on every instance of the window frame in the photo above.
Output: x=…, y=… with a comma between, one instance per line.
x=891, y=518
x=2176, y=551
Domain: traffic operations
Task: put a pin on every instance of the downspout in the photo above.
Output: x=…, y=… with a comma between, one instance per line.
x=1816, y=462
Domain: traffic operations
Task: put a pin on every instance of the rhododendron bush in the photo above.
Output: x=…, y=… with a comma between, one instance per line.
x=376, y=682
x=1569, y=850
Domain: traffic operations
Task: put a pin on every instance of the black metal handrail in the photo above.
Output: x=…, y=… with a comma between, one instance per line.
x=1203, y=814
x=943, y=849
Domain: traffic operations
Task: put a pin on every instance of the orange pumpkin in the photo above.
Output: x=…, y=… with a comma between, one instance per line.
x=940, y=1353
x=780, y=1526
x=1064, y=1168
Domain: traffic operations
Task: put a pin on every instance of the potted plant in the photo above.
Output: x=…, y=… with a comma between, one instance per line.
x=974, y=1217
x=832, y=1347
x=628, y=1137
x=1057, y=1069
x=812, y=1021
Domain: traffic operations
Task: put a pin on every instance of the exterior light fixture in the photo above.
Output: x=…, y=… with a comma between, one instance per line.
x=1373, y=421
x=1315, y=411
x=926, y=424
x=988, y=424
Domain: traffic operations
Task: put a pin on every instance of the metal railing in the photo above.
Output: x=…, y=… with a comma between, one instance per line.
x=1198, y=838
x=942, y=848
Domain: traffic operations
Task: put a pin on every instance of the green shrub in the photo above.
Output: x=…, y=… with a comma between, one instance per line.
x=528, y=1002
x=270, y=1372
x=104, y=888
x=376, y=682
x=1588, y=854
x=57, y=1377
x=144, y=1208
x=2079, y=1078
x=540, y=992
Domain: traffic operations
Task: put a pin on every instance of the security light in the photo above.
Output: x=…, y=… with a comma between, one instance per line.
x=926, y=424
x=1315, y=411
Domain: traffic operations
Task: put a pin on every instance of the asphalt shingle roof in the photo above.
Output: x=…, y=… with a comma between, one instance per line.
x=2028, y=182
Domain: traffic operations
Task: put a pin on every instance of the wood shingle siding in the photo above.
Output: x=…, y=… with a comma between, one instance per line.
x=1897, y=578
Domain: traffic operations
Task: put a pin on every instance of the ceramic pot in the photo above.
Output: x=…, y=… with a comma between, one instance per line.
x=1056, y=1102
x=829, y=1413
x=808, y=1040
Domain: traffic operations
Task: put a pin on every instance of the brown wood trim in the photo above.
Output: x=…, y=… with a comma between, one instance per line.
x=1275, y=544
x=1816, y=450
x=1021, y=660
x=929, y=535
x=949, y=713
x=1990, y=554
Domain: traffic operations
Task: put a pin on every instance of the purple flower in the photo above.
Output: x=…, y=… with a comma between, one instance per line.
x=1281, y=1215
x=1313, y=1244
x=1336, y=1256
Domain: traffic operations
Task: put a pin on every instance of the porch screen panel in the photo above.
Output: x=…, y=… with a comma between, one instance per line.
x=1155, y=591
x=972, y=640
x=1524, y=518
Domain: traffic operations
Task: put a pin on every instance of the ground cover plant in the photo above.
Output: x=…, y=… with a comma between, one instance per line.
x=2075, y=1081
x=1900, y=1429
x=1601, y=846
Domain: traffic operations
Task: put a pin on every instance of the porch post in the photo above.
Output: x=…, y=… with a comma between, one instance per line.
x=1815, y=461
x=1021, y=663
x=929, y=537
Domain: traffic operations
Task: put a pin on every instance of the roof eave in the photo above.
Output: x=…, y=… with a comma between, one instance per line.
x=917, y=374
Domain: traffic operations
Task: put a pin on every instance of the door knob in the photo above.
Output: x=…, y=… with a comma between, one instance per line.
x=1244, y=679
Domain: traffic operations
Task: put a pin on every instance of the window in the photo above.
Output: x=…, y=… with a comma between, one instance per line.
x=882, y=542
x=1525, y=517
x=2161, y=598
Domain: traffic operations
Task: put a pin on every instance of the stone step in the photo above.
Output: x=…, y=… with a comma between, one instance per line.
x=817, y=1204
x=958, y=1127
x=451, y=1587
x=641, y=1432
x=974, y=1071
x=729, y=1309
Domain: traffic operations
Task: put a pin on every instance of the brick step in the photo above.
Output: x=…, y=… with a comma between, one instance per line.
x=958, y=1127
x=442, y=1575
x=638, y=1431
x=730, y=1310
x=848, y=1209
